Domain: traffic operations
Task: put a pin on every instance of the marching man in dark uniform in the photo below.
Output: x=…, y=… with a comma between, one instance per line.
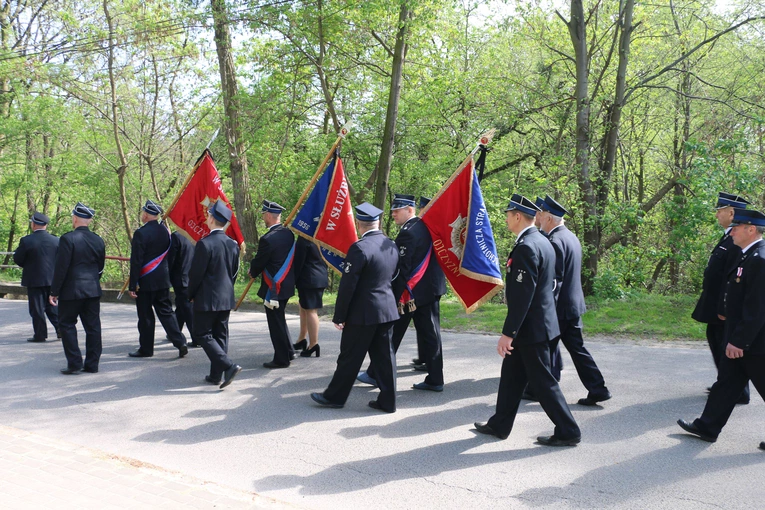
x=311, y=279
x=211, y=288
x=570, y=299
x=725, y=255
x=179, y=262
x=274, y=258
x=36, y=254
x=418, y=288
x=529, y=326
x=365, y=311
x=150, y=283
x=744, y=307
x=76, y=290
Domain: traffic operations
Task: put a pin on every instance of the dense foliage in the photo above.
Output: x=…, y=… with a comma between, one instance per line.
x=111, y=103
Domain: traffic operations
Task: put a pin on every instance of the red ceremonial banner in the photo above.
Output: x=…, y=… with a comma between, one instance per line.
x=202, y=190
x=337, y=230
x=447, y=217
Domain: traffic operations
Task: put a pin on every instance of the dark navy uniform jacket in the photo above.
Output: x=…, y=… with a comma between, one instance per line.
x=79, y=264
x=365, y=294
x=568, y=273
x=309, y=267
x=745, y=302
x=149, y=242
x=724, y=256
x=413, y=242
x=273, y=248
x=531, y=314
x=36, y=254
x=213, y=271
x=179, y=260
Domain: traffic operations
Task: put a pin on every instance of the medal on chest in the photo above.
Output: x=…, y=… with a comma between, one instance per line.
x=739, y=272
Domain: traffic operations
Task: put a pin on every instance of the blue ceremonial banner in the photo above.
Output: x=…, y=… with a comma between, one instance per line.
x=479, y=258
x=320, y=214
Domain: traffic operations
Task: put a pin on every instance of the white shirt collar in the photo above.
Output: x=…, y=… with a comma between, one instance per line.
x=727, y=230
x=213, y=230
x=556, y=227
x=368, y=231
x=752, y=244
x=523, y=231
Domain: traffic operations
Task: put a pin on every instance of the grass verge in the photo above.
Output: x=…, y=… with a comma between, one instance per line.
x=635, y=316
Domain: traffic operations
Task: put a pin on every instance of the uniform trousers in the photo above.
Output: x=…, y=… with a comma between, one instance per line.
x=556, y=360
x=427, y=322
x=355, y=342
x=211, y=330
x=39, y=307
x=280, y=334
x=184, y=310
x=589, y=373
x=732, y=376
x=530, y=364
x=717, y=345
x=146, y=304
x=89, y=312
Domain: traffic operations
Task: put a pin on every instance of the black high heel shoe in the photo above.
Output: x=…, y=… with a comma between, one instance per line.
x=301, y=345
x=307, y=352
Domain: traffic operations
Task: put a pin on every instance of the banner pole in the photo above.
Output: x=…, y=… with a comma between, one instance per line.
x=340, y=137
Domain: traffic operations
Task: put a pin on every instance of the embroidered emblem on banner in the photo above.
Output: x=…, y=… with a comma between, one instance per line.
x=459, y=232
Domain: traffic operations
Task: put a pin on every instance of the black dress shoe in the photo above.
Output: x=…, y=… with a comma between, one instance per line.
x=193, y=344
x=374, y=404
x=182, y=351
x=691, y=428
x=211, y=380
x=273, y=364
x=301, y=345
x=319, y=399
x=429, y=387
x=484, y=428
x=417, y=361
x=558, y=441
x=743, y=400
x=70, y=371
x=762, y=445
x=530, y=396
x=58, y=334
x=229, y=375
x=90, y=370
x=35, y=340
x=592, y=400
x=139, y=354
x=420, y=368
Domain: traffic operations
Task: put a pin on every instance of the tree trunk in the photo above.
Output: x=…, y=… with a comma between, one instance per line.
x=236, y=152
x=12, y=229
x=328, y=96
x=48, y=153
x=122, y=168
x=382, y=169
x=577, y=28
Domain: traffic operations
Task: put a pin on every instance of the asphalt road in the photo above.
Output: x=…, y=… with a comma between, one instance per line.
x=264, y=434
